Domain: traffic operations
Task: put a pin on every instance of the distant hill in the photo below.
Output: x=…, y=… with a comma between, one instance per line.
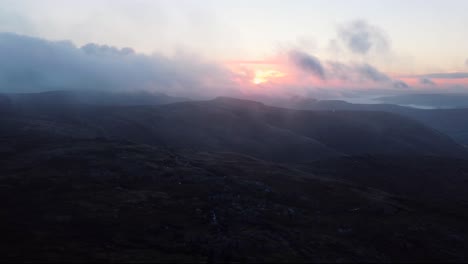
x=247, y=127
x=5, y=103
x=453, y=122
x=195, y=182
x=91, y=97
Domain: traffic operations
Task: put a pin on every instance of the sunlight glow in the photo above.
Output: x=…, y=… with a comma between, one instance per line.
x=263, y=76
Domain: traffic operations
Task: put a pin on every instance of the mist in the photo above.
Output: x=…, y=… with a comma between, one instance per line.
x=31, y=64
x=36, y=65
x=248, y=131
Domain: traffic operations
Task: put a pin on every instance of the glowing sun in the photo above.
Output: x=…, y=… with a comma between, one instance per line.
x=263, y=76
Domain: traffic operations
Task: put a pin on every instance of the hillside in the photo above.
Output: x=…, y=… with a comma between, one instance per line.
x=109, y=201
x=247, y=127
x=452, y=122
x=226, y=180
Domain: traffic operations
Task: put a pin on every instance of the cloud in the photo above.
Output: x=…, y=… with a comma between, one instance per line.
x=31, y=64
x=361, y=38
x=340, y=71
x=453, y=75
x=356, y=72
x=10, y=22
x=371, y=73
x=426, y=81
x=308, y=63
x=466, y=62
x=351, y=73
x=105, y=50
x=400, y=84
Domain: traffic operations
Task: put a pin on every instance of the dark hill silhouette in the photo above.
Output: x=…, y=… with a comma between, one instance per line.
x=194, y=182
x=90, y=97
x=452, y=122
x=5, y=103
x=98, y=200
x=248, y=127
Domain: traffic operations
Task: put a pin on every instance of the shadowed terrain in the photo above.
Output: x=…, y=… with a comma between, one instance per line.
x=248, y=127
x=156, y=131
x=450, y=121
x=226, y=180
x=98, y=200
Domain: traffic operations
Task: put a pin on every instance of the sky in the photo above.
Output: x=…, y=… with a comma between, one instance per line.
x=297, y=46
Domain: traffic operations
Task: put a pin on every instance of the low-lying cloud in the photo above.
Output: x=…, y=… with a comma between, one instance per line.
x=453, y=75
x=426, y=81
x=371, y=73
x=308, y=63
x=400, y=84
x=351, y=73
x=32, y=64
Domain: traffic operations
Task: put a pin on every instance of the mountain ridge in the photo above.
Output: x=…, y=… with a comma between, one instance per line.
x=248, y=127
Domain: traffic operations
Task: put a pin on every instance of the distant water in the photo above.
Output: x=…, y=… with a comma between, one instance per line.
x=421, y=106
x=360, y=100
x=373, y=100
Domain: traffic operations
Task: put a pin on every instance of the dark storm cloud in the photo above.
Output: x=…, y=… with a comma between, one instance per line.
x=32, y=64
x=308, y=63
x=361, y=37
